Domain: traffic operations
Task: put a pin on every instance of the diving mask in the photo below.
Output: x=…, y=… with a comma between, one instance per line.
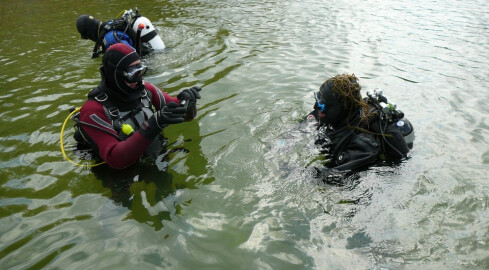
x=135, y=73
x=321, y=106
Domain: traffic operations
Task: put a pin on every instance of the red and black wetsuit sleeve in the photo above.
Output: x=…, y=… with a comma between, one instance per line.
x=159, y=98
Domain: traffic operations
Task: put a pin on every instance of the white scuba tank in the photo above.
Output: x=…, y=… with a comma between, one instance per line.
x=148, y=34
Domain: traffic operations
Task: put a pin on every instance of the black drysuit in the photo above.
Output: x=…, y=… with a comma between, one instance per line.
x=360, y=144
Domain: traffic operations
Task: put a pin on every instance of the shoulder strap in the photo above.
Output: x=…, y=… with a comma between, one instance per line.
x=147, y=94
x=146, y=102
x=111, y=111
x=96, y=49
x=117, y=24
x=100, y=96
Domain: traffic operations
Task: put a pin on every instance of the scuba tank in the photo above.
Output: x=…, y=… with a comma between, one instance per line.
x=407, y=131
x=149, y=35
x=392, y=115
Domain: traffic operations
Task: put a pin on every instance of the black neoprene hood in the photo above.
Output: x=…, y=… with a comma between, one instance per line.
x=88, y=27
x=116, y=60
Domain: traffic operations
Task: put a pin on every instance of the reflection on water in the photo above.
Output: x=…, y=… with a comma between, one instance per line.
x=234, y=188
x=146, y=187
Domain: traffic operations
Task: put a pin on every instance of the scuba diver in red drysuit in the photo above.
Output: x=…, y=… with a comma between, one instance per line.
x=118, y=120
x=355, y=132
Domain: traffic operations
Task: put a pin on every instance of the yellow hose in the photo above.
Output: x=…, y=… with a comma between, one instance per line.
x=62, y=146
x=120, y=14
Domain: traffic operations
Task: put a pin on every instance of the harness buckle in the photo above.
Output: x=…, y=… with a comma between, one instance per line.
x=113, y=112
x=145, y=100
x=102, y=97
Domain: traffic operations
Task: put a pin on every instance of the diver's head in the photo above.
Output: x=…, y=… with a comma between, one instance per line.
x=88, y=27
x=123, y=72
x=338, y=98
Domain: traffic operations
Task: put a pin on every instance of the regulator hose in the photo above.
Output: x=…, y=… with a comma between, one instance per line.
x=62, y=145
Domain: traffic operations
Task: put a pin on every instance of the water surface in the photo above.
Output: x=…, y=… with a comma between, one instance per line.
x=234, y=190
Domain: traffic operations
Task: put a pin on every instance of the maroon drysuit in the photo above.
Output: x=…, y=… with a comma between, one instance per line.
x=118, y=154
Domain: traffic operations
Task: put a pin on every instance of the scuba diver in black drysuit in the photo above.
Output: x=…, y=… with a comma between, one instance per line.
x=355, y=132
x=131, y=29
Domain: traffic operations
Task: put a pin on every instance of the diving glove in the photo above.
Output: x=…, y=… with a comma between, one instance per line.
x=188, y=98
x=171, y=113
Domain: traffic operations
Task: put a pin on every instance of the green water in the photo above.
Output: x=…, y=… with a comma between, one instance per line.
x=234, y=190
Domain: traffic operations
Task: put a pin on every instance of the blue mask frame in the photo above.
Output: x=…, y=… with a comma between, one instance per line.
x=321, y=106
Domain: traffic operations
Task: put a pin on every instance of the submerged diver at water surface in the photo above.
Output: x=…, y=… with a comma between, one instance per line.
x=131, y=29
x=124, y=114
x=355, y=132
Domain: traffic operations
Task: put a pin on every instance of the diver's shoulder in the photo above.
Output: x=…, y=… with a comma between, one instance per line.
x=92, y=106
x=150, y=87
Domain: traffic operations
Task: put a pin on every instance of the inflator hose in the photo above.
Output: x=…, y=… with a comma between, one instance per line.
x=62, y=146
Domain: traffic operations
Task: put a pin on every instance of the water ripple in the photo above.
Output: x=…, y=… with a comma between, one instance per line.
x=245, y=188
